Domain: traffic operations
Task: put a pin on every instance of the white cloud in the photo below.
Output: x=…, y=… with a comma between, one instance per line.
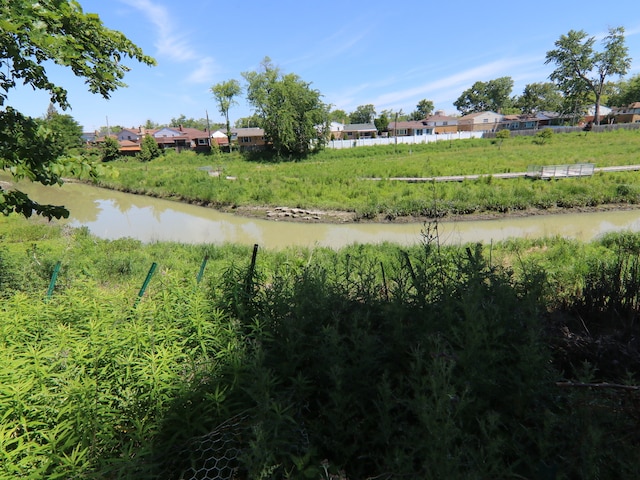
x=204, y=73
x=457, y=82
x=168, y=42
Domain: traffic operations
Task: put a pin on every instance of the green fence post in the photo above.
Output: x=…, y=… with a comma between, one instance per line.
x=201, y=272
x=249, y=279
x=54, y=277
x=146, y=281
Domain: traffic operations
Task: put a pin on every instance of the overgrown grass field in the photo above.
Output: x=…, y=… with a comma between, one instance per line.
x=511, y=361
x=357, y=179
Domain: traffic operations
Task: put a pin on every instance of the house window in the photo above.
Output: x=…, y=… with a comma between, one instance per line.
x=419, y=131
x=202, y=141
x=485, y=120
x=245, y=140
x=401, y=131
x=444, y=124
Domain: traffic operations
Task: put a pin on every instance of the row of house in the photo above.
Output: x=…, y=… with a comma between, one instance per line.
x=183, y=138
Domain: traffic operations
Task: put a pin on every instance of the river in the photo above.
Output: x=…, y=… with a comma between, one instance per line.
x=110, y=214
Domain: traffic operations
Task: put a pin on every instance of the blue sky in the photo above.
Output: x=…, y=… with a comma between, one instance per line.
x=377, y=52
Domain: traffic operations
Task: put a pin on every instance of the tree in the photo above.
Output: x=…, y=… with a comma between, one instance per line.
x=423, y=110
x=151, y=125
x=580, y=69
x=247, y=122
x=363, y=114
x=494, y=95
x=200, y=123
x=109, y=149
x=625, y=92
x=33, y=34
x=339, y=116
x=294, y=119
x=66, y=132
x=539, y=97
x=149, y=149
x=225, y=93
x=382, y=123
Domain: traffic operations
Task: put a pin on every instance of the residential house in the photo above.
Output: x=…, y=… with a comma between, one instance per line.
x=336, y=130
x=131, y=134
x=220, y=138
x=518, y=122
x=479, y=122
x=89, y=137
x=250, y=138
x=441, y=123
x=591, y=114
x=355, y=131
x=551, y=119
x=408, y=128
x=128, y=147
x=182, y=138
x=628, y=114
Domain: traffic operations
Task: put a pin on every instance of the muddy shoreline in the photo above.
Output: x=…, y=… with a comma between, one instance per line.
x=287, y=214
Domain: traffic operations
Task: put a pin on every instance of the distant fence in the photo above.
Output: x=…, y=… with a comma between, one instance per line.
x=564, y=129
x=411, y=140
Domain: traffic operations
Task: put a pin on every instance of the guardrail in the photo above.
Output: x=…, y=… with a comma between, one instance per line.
x=561, y=171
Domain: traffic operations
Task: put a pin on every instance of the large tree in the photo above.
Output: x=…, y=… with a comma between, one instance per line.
x=199, y=123
x=494, y=95
x=67, y=133
x=539, y=97
x=32, y=35
x=363, y=114
x=625, y=92
x=294, y=119
x=581, y=69
x=225, y=94
x=424, y=108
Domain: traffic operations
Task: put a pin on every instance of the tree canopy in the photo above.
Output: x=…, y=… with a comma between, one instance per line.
x=363, y=114
x=494, y=95
x=33, y=34
x=424, y=108
x=539, y=97
x=581, y=70
x=294, y=119
x=625, y=92
x=67, y=133
x=225, y=93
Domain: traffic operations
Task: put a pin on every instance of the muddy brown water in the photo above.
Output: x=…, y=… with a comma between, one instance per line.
x=110, y=214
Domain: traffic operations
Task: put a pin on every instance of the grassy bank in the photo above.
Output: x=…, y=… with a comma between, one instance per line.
x=514, y=361
x=344, y=179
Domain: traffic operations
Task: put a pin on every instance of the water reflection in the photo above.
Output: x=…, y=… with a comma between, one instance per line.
x=111, y=215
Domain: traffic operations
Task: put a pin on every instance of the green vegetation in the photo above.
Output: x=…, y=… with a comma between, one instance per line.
x=357, y=179
x=35, y=35
x=515, y=361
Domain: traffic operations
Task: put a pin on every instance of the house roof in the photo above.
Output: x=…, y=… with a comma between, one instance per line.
x=129, y=146
x=520, y=118
x=473, y=115
x=406, y=124
x=440, y=118
x=248, y=132
x=360, y=127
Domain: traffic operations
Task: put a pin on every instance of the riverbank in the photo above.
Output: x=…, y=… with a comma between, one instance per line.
x=289, y=214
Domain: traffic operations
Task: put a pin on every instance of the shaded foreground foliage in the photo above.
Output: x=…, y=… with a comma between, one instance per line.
x=370, y=362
